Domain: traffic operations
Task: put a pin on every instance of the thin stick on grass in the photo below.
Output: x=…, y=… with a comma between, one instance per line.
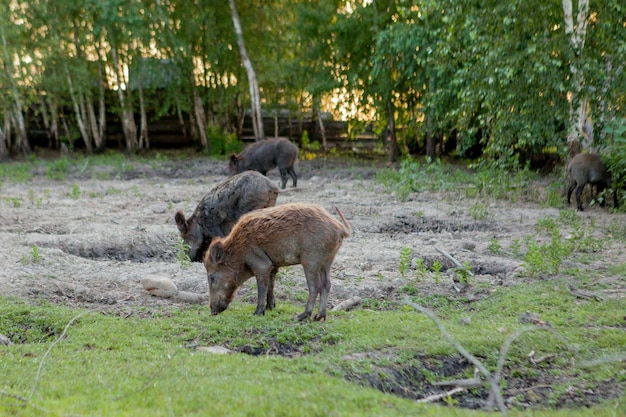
x=437, y=397
x=32, y=392
x=493, y=383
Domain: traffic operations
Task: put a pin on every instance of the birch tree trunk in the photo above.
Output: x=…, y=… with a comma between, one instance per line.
x=21, y=139
x=255, y=95
x=79, y=112
x=578, y=104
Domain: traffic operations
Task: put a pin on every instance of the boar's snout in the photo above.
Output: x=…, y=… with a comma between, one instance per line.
x=218, y=306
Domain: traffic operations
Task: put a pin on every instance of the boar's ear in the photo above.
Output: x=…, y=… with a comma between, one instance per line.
x=181, y=222
x=217, y=252
x=233, y=159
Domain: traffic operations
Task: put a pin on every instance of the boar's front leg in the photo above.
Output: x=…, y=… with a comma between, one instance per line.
x=265, y=273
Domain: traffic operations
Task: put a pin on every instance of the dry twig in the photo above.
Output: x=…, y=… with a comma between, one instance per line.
x=493, y=383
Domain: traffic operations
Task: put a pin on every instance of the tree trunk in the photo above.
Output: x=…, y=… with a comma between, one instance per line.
x=320, y=122
x=127, y=117
x=578, y=105
x=255, y=95
x=199, y=116
x=394, y=150
x=3, y=145
x=144, y=140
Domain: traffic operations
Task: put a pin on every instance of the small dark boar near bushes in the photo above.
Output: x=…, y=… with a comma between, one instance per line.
x=265, y=155
x=265, y=240
x=586, y=168
x=219, y=210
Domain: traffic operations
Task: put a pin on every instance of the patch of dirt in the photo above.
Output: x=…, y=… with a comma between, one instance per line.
x=87, y=242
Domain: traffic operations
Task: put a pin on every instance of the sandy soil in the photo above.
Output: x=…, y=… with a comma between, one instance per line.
x=88, y=242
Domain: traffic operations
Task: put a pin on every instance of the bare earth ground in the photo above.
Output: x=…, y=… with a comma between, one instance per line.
x=86, y=242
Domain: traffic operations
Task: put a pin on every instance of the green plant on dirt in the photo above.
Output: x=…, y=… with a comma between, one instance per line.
x=494, y=246
x=405, y=260
x=58, y=169
x=15, y=202
x=437, y=267
x=35, y=254
x=182, y=253
x=75, y=193
x=478, y=211
x=582, y=240
x=546, y=258
x=463, y=274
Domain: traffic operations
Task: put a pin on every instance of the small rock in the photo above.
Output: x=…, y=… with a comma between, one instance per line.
x=468, y=245
x=159, y=286
x=5, y=340
x=466, y=320
x=216, y=350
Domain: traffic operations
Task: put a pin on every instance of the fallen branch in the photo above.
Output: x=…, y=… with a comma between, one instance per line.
x=457, y=264
x=493, y=383
x=584, y=295
x=347, y=304
x=437, y=397
x=32, y=392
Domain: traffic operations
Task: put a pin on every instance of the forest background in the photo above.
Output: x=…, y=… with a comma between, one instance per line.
x=503, y=81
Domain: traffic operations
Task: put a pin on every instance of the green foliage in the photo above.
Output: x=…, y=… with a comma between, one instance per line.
x=488, y=181
x=222, y=143
x=182, y=253
x=15, y=172
x=58, y=169
x=405, y=260
x=75, y=193
x=494, y=246
x=478, y=211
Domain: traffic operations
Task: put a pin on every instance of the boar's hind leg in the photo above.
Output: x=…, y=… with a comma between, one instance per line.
x=578, y=193
x=283, y=178
x=293, y=176
x=325, y=280
x=271, y=303
x=313, y=282
x=569, y=192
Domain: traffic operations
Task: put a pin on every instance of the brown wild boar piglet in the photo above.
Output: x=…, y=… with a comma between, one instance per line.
x=263, y=241
x=265, y=155
x=586, y=168
x=219, y=210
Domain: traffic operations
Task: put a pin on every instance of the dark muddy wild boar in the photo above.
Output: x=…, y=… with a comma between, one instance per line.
x=586, y=168
x=219, y=210
x=265, y=240
x=265, y=155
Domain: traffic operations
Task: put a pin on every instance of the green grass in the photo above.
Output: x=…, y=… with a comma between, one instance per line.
x=108, y=365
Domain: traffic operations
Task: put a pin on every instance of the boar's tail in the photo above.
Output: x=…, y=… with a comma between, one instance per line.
x=346, y=225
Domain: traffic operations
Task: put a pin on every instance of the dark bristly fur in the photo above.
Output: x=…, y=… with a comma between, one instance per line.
x=219, y=210
x=265, y=240
x=584, y=169
x=265, y=155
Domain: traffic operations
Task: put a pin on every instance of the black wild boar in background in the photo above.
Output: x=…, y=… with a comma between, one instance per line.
x=265, y=155
x=219, y=210
x=586, y=168
x=263, y=241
